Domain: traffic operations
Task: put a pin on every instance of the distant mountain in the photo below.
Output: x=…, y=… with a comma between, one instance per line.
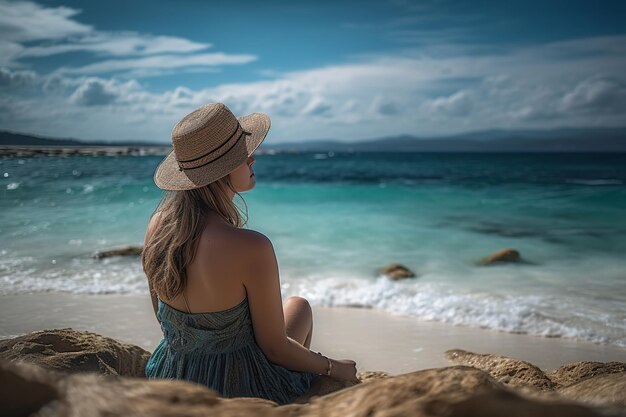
x=554, y=140
x=557, y=140
x=18, y=139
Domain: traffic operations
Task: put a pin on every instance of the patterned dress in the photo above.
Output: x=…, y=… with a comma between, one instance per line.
x=218, y=349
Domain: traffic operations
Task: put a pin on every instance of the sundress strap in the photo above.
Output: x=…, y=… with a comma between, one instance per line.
x=187, y=304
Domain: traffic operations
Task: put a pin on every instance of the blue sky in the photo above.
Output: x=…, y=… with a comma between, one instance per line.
x=322, y=70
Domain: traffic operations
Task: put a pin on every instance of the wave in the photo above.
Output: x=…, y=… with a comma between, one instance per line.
x=80, y=276
x=540, y=315
x=576, y=316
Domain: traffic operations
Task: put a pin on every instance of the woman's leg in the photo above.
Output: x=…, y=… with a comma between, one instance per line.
x=299, y=320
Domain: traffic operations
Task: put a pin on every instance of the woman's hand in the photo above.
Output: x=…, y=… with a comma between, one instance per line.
x=344, y=369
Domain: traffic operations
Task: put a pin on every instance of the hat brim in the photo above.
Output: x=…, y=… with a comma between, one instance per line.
x=168, y=176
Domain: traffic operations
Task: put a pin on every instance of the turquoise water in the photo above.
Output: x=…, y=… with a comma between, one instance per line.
x=335, y=218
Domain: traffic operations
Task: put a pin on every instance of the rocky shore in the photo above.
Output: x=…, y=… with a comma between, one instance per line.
x=26, y=151
x=63, y=372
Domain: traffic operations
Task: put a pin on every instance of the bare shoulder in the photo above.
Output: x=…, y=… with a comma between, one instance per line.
x=253, y=245
x=254, y=252
x=233, y=246
x=252, y=237
x=152, y=224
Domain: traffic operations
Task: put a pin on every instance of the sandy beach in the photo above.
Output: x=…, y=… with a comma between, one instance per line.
x=375, y=339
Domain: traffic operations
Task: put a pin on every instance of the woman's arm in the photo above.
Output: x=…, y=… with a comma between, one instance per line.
x=263, y=287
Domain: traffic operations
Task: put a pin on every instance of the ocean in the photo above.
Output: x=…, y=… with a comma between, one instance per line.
x=335, y=218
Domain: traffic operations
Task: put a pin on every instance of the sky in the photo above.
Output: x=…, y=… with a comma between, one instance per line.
x=352, y=70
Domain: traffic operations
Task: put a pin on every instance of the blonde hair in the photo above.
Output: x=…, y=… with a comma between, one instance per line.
x=172, y=245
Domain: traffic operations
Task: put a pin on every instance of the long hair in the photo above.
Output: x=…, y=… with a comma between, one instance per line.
x=172, y=245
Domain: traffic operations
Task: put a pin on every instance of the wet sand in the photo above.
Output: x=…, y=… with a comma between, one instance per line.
x=375, y=339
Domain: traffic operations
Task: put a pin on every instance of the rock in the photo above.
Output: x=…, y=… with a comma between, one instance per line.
x=452, y=391
x=396, y=272
x=76, y=351
x=36, y=382
x=25, y=388
x=594, y=383
x=503, y=255
x=574, y=372
x=403, y=395
x=371, y=375
x=17, y=150
x=124, y=251
x=512, y=372
x=90, y=394
x=502, y=403
x=607, y=390
x=322, y=386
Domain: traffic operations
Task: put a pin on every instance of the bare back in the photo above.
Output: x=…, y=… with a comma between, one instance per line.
x=215, y=276
x=232, y=264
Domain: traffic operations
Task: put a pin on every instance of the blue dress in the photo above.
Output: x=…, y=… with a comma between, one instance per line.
x=218, y=349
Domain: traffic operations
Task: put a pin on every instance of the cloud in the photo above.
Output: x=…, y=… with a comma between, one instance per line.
x=317, y=106
x=57, y=85
x=24, y=21
x=158, y=62
x=459, y=104
x=383, y=107
x=375, y=96
x=30, y=30
x=118, y=44
x=16, y=79
x=99, y=92
x=93, y=93
x=595, y=95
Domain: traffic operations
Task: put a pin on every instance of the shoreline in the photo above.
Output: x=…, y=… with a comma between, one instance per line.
x=97, y=150
x=375, y=339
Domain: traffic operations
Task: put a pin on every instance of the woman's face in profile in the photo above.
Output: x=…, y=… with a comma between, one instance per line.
x=242, y=177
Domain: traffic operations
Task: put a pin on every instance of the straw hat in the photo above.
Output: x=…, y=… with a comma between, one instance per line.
x=209, y=143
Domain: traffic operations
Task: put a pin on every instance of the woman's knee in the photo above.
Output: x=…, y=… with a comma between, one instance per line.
x=299, y=320
x=299, y=308
x=299, y=303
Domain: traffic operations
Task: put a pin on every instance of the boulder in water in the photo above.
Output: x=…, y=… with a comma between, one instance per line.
x=503, y=255
x=124, y=251
x=396, y=272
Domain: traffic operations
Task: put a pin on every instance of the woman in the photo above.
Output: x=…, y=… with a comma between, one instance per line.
x=215, y=286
